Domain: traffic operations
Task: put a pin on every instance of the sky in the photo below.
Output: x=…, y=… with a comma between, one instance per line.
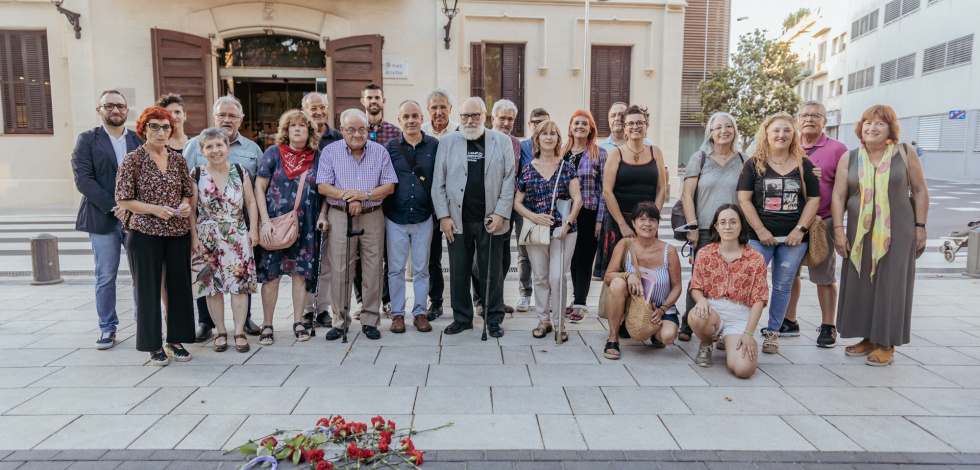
x=765, y=14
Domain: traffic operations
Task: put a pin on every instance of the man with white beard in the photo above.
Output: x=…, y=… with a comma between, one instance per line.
x=473, y=196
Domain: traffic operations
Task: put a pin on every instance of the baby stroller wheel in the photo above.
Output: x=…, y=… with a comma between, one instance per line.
x=948, y=251
x=950, y=255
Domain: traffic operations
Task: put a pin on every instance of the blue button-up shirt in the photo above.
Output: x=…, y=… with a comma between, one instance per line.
x=411, y=203
x=242, y=151
x=332, y=135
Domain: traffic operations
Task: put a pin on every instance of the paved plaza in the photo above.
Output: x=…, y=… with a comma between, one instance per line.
x=556, y=405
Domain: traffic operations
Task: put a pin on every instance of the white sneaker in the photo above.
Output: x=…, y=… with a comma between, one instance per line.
x=523, y=305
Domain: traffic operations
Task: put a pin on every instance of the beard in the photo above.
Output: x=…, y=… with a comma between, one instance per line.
x=114, y=121
x=472, y=133
x=374, y=109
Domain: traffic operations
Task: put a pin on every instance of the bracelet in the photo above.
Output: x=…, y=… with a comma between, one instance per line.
x=838, y=226
x=920, y=225
x=749, y=333
x=626, y=276
x=266, y=222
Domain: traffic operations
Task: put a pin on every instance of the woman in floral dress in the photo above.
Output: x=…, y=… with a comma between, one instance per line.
x=221, y=239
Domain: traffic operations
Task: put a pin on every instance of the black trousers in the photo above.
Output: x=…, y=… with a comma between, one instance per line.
x=146, y=256
x=437, y=284
x=584, y=256
x=504, y=259
x=703, y=237
x=475, y=242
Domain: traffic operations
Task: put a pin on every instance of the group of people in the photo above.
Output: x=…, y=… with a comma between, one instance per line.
x=337, y=209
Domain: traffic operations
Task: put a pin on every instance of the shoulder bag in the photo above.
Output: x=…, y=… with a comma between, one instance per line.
x=533, y=234
x=285, y=228
x=818, y=249
x=903, y=149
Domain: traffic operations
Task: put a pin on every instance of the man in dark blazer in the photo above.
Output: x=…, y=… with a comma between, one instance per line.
x=94, y=162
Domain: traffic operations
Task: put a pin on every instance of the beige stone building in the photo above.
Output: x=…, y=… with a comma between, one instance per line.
x=269, y=53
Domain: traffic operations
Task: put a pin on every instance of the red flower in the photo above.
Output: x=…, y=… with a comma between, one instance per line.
x=314, y=455
x=377, y=422
x=269, y=440
x=337, y=421
x=407, y=445
x=324, y=466
x=391, y=425
x=385, y=441
x=353, y=451
x=367, y=454
x=323, y=422
x=356, y=428
x=416, y=457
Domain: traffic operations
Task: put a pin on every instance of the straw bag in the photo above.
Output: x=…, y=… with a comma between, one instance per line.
x=817, y=250
x=605, y=287
x=533, y=234
x=639, y=315
x=285, y=228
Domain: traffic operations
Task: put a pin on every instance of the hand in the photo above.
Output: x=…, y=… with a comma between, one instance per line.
x=448, y=228
x=840, y=242
x=658, y=315
x=253, y=237
x=354, y=208
x=196, y=245
x=920, y=238
x=634, y=284
x=693, y=238
x=265, y=232
x=766, y=238
x=563, y=231
x=627, y=232
x=321, y=222
x=543, y=219
x=119, y=212
x=703, y=310
x=184, y=210
x=748, y=345
x=497, y=224
x=817, y=172
x=795, y=237
x=162, y=212
x=352, y=195
x=598, y=230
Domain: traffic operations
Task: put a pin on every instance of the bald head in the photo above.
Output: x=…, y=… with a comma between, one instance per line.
x=410, y=119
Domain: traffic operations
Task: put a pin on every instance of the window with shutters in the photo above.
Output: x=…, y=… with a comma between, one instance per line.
x=861, y=79
x=833, y=47
x=822, y=52
x=896, y=9
x=820, y=93
x=864, y=25
x=497, y=72
x=25, y=82
x=950, y=54
x=610, y=81
x=897, y=69
x=929, y=131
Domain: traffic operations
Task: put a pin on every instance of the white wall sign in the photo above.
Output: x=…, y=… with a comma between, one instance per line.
x=395, y=69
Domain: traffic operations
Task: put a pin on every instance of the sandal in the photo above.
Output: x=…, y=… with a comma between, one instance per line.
x=543, y=329
x=302, y=334
x=612, y=346
x=220, y=347
x=267, y=339
x=578, y=315
x=686, y=332
x=241, y=348
x=656, y=343
x=861, y=349
x=564, y=337
x=881, y=357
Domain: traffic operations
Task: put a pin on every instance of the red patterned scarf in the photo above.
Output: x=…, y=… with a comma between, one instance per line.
x=295, y=162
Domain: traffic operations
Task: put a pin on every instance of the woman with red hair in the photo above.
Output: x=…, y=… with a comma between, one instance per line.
x=885, y=233
x=153, y=184
x=581, y=150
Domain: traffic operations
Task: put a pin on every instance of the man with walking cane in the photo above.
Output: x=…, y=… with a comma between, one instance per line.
x=473, y=196
x=355, y=175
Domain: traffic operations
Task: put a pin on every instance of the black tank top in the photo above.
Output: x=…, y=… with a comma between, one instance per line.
x=636, y=183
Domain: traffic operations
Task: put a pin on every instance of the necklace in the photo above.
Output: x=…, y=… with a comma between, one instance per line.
x=780, y=163
x=636, y=155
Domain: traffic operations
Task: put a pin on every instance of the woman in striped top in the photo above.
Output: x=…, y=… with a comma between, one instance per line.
x=644, y=258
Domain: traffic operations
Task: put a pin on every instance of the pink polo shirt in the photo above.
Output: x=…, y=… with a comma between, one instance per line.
x=825, y=156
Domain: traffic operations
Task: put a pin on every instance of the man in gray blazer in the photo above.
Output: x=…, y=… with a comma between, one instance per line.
x=473, y=196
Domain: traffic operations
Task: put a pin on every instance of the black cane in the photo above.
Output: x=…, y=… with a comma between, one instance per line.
x=350, y=233
x=486, y=298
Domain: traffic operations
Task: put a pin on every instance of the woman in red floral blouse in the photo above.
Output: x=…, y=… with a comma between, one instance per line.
x=730, y=286
x=153, y=184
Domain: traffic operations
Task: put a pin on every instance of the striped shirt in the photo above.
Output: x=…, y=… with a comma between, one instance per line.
x=661, y=276
x=339, y=168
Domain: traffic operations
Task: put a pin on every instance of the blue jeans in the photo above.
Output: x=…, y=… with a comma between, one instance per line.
x=402, y=240
x=785, y=262
x=107, y=247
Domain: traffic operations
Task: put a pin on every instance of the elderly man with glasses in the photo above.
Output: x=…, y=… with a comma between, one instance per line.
x=228, y=115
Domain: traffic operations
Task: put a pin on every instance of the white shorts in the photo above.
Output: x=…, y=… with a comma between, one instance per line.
x=734, y=316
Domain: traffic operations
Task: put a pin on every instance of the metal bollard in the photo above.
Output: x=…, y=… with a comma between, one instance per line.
x=44, y=259
x=973, y=254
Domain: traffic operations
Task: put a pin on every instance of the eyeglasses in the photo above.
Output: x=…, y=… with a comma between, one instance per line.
x=470, y=117
x=110, y=106
x=814, y=116
x=230, y=117
x=636, y=124
x=535, y=122
x=728, y=223
x=321, y=107
x=358, y=130
x=157, y=128
x=726, y=127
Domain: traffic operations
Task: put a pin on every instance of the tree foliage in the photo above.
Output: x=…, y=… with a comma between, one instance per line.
x=794, y=18
x=758, y=83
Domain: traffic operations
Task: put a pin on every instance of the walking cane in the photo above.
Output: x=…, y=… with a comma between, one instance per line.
x=486, y=298
x=561, y=289
x=318, y=237
x=350, y=233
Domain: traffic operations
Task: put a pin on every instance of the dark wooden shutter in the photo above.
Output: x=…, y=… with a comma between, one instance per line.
x=512, y=81
x=356, y=62
x=25, y=82
x=182, y=65
x=476, y=70
x=610, y=81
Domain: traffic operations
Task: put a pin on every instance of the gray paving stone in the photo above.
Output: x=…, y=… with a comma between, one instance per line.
x=508, y=455
x=172, y=455
x=564, y=375
x=683, y=466
x=587, y=401
x=877, y=466
x=601, y=455
x=535, y=465
x=4, y=453
x=219, y=455
x=191, y=465
x=695, y=455
x=828, y=466
x=429, y=465
x=530, y=400
x=483, y=465
x=144, y=465
x=646, y=400
x=585, y=465
x=554, y=455
x=29, y=455
x=742, y=456
x=450, y=375
x=44, y=465
x=436, y=400
x=731, y=465
x=100, y=465
x=650, y=455
x=969, y=458
x=635, y=465
x=459, y=455
x=779, y=466
x=840, y=457
x=561, y=432
x=888, y=434
x=80, y=454
x=790, y=456
x=517, y=354
x=410, y=375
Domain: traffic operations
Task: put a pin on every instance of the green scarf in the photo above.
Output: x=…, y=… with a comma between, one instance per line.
x=874, y=200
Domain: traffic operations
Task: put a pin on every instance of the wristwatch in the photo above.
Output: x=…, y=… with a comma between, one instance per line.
x=803, y=229
x=368, y=195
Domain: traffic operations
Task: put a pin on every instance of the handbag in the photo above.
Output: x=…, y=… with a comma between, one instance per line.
x=902, y=149
x=639, y=315
x=285, y=228
x=605, y=287
x=533, y=234
x=818, y=249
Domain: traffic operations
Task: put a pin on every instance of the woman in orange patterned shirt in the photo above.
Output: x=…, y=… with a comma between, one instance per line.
x=730, y=286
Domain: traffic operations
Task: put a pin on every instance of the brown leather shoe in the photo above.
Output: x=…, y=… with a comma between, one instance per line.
x=398, y=324
x=421, y=323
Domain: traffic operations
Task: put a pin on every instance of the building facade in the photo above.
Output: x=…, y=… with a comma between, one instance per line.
x=269, y=53
x=707, y=25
